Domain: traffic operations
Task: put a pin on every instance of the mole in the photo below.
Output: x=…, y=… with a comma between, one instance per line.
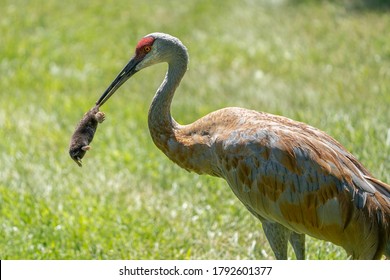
x=83, y=134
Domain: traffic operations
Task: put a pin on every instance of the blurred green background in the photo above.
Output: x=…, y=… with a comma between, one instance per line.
x=326, y=63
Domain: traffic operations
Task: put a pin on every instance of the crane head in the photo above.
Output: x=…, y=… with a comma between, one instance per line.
x=151, y=49
x=136, y=63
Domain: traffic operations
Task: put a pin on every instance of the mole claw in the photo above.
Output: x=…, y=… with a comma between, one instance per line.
x=100, y=117
x=79, y=162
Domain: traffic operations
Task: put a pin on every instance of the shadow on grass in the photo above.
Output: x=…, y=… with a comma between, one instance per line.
x=375, y=5
x=356, y=5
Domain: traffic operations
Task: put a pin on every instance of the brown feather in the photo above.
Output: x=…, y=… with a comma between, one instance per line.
x=305, y=180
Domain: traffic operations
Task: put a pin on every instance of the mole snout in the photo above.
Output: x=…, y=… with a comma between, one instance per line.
x=84, y=133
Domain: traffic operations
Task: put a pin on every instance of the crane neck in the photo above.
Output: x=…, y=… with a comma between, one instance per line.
x=161, y=124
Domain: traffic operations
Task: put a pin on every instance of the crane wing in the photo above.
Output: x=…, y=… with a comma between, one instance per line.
x=289, y=173
x=300, y=177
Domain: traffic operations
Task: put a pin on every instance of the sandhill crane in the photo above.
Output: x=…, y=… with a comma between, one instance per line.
x=294, y=178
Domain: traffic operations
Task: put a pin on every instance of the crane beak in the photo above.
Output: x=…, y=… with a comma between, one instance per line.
x=124, y=75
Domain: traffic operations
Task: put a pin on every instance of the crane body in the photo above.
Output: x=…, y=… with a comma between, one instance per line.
x=294, y=178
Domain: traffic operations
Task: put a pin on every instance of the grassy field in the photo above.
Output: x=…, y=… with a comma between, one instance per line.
x=324, y=63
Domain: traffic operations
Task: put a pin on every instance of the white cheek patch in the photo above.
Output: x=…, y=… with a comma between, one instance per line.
x=147, y=61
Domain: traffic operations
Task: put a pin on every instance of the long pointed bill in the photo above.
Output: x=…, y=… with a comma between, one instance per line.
x=124, y=75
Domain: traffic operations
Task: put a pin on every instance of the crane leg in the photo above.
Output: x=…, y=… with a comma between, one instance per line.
x=277, y=236
x=297, y=241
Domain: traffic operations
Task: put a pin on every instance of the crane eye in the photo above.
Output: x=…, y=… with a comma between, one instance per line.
x=147, y=49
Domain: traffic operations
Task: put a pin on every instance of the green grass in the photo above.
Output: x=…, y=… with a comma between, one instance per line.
x=320, y=62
